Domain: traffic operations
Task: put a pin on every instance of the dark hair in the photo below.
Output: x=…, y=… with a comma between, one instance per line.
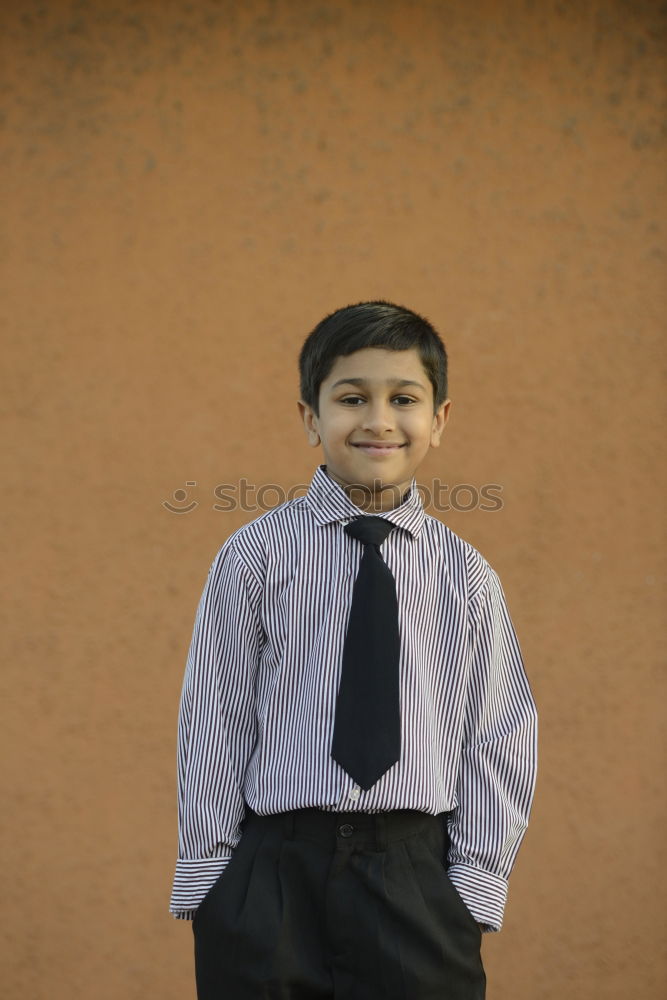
x=370, y=324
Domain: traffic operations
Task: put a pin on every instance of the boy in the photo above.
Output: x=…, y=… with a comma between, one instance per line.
x=357, y=736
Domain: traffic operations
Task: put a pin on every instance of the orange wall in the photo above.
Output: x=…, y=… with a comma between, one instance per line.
x=187, y=188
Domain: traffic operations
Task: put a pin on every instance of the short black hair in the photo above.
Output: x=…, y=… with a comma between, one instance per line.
x=370, y=324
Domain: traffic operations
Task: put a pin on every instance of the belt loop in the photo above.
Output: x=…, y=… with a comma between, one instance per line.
x=381, y=832
x=444, y=822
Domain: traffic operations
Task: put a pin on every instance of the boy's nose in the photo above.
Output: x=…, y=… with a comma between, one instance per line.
x=378, y=418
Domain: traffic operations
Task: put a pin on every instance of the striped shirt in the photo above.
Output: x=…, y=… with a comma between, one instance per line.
x=262, y=674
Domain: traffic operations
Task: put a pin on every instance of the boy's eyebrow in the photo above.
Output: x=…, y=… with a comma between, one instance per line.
x=362, y=381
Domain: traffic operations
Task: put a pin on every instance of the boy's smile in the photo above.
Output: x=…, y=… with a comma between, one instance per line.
x=376, y=423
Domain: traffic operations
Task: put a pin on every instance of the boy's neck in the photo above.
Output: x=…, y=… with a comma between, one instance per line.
x=376, y=499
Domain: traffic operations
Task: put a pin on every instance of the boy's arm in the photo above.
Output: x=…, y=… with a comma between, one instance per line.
x=498, y=762
x=216, y=728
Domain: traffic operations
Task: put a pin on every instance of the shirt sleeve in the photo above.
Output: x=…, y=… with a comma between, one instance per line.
x=498, y=764
x=216, y=728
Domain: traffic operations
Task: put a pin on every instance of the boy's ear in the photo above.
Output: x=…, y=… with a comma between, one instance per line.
x=440, y=419
x=309, y=422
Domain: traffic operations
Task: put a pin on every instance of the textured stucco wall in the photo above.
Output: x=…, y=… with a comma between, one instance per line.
x=187, y=188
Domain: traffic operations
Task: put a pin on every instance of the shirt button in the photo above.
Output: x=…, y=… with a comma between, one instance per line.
x=346, y=830
x=354, y=794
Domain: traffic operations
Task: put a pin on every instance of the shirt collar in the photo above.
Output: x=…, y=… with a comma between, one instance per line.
x=329, y=502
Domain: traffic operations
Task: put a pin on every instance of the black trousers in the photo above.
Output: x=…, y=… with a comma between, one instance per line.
x=319, y=905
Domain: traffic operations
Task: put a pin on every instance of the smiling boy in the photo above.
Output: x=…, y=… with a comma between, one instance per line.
x=375, y=451
x=357, y=736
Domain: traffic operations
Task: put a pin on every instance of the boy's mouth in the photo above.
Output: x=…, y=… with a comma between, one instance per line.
x=378, y=447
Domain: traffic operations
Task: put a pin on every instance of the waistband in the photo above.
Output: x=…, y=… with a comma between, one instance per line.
x=343, y=829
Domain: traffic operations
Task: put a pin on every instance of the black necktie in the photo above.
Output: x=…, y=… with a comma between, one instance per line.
x=367, y=727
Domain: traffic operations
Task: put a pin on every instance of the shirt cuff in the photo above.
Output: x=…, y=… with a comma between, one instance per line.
x=484, y=893
x=194, y=877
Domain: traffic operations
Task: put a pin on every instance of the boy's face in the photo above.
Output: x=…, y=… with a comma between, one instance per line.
x=376, y=423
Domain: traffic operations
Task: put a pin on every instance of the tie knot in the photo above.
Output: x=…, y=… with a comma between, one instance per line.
x=369, y=530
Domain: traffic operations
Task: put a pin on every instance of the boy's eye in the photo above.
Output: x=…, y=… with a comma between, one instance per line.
x=354, y=400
